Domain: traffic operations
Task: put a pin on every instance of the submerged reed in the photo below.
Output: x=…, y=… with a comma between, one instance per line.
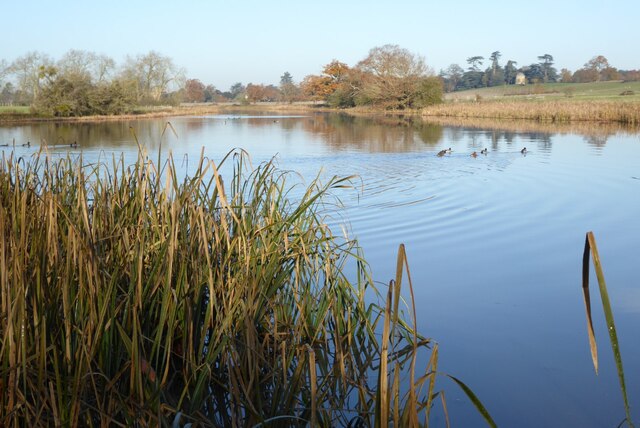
x=129, y=296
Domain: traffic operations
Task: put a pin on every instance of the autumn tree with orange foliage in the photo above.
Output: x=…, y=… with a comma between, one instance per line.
x=320, y=88
x=390, y=77
x=257, y=93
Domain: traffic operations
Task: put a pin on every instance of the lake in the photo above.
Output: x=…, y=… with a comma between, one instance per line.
x=494, y=242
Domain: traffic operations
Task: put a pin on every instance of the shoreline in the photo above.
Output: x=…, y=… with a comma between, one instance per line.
x=544, y=112
x=607, y=112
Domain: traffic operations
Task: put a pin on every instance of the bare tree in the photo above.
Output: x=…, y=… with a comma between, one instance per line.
x=79, y=65
x=76, y=64
x=103, y=68
x=27, y=70
x=4, y=69
x=152, y=74
x=453, y=75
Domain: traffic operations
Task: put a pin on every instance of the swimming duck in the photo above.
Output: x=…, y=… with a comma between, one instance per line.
x=74, y=144
x=442, y=153
x=474, y=155
x=524, y=150
x=484, y=151
x=4, y=145
x=27, y=144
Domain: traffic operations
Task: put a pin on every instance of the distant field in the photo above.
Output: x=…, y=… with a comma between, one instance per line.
x=602, y=91
x=14, y=109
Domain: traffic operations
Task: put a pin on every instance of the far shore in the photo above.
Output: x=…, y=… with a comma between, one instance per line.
x=171, y=111
x=545, y=111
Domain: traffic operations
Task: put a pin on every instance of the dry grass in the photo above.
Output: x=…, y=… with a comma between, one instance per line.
x=543, y=111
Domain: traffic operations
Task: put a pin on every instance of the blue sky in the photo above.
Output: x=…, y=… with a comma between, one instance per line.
x=222, y=42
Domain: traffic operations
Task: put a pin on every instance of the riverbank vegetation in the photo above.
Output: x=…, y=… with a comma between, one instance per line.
x=544, y=111
x=389, y=79
x=130, y=296
x=619, y=91
x=84, y=83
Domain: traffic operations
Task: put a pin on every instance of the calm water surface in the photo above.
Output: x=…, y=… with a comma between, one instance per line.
x=494, y=243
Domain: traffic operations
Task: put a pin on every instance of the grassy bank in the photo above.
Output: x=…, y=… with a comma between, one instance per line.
x=594, y=91
x=131, y=297
x=604, y=102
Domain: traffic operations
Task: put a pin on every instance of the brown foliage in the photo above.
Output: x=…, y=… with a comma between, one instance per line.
x=194, y=91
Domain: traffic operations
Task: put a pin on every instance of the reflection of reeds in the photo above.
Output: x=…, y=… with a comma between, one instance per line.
x=130, y=297
x=589, y=129
x=545, y=111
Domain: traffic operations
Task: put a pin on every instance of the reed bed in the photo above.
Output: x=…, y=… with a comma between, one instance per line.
x=130, y=297
x=627, y=113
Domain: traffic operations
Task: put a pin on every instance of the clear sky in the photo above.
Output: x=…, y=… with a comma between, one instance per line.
x=223, y=42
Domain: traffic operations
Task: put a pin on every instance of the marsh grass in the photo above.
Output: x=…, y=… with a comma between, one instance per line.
x=627, y=113
x=132, y=297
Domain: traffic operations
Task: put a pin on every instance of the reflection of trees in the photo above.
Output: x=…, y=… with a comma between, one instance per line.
x=97, y=134
x=384, y=134
x=595, y=134
x=597, y=141
x=379, y=134
x=511, y=128
x=374, y=134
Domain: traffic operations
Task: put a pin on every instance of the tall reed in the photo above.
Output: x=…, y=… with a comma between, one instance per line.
x=131, y=296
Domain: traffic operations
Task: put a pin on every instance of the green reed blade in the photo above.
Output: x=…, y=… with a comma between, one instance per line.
x=590, y=246
x=475, y=400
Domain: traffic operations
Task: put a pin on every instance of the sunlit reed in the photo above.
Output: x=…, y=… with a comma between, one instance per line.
x=130, y=296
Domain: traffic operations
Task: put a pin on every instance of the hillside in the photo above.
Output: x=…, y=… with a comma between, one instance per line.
x=604, y=91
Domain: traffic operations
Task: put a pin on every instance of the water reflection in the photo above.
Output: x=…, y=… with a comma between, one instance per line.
x=379, y=134
x=341, y=132
x=595, y=133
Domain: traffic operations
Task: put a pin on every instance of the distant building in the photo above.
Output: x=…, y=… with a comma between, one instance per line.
x=521, y=79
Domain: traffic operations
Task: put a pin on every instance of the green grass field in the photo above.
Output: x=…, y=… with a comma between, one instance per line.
x=11, y=110
x=14, y=109
x=604, y=91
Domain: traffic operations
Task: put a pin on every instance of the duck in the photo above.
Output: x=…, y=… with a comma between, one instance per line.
x=27, y=144
x=74, y=144
x=474, y=155
x=484, y=151
x=442, y=153
x=4, y=145
x=524, y=150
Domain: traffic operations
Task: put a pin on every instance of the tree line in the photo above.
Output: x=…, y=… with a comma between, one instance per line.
x=84, y=83
x=477, y=75
x=389, y=77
